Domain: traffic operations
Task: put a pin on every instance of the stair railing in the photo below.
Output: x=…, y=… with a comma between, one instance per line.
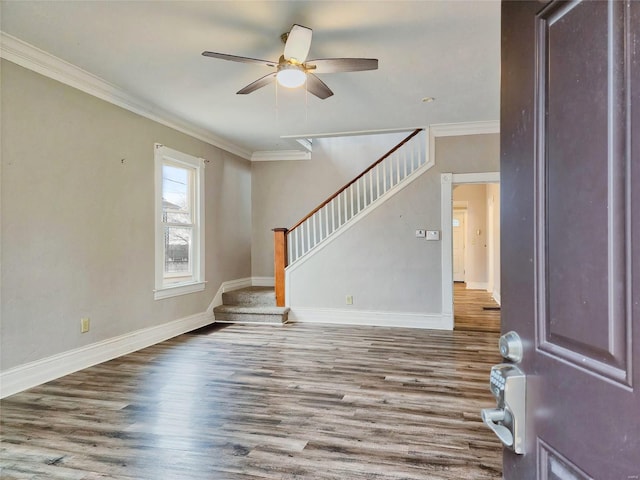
x=357, y=195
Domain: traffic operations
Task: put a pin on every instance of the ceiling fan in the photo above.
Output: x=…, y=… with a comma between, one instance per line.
x=293, y=69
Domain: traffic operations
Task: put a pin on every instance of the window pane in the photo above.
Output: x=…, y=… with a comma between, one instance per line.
x=177, y=251
x=176, y=194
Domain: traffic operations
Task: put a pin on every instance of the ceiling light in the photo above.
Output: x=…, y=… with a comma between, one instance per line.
x=428, y=99
x=291, y=76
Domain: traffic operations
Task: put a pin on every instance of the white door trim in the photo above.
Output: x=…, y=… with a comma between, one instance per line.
x=446, y=215
x=464, y=213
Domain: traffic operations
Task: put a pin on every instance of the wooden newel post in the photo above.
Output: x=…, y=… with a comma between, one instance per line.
x=279, y=262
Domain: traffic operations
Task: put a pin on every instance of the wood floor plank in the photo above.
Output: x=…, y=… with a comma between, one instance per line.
x=263, y=402
x=475, y=310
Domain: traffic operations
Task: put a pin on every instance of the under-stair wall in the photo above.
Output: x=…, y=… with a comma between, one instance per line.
x=394, y=278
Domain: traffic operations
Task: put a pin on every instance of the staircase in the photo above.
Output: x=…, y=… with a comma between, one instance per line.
x=250, y=305
x=384, y=178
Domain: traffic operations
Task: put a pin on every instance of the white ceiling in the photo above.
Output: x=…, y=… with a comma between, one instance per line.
x=449, y=50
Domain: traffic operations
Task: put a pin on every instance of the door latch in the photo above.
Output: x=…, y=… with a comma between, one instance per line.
x=507, y=420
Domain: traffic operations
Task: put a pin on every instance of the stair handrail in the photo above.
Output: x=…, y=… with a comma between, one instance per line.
x=281, y=235
x=354, y=180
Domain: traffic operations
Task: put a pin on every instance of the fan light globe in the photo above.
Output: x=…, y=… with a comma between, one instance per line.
x=291, y=77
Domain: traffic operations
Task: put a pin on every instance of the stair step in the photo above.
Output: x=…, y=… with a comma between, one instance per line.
x=250, y=296
x=251, y=314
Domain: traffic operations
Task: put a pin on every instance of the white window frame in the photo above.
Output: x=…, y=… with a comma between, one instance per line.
x=196, y=283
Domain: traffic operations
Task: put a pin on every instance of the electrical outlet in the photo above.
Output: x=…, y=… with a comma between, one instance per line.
x=433, y=235
x=84, y=324
x=349, y=299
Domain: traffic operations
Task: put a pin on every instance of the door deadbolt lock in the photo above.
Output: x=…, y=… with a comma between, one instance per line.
x=510, y=346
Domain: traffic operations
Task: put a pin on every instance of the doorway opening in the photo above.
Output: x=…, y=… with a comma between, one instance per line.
x=471, y=214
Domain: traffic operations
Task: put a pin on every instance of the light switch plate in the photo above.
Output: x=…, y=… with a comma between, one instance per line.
x=421, y=233
x=433, y=234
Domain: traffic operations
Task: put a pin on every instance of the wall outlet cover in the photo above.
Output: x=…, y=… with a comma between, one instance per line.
x=84, y=325
x=433, y=235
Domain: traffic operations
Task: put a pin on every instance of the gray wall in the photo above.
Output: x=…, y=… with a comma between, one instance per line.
x=379, y=261
x=77, y=219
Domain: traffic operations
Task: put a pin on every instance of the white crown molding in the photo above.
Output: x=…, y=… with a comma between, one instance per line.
x=349, y=133
x=41, y=371
x=277, y=155
x=468, y=128
x=436, y=130
x=306, y=143
x=39, y=61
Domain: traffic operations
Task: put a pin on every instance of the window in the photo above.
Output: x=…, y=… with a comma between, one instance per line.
x=179, y=213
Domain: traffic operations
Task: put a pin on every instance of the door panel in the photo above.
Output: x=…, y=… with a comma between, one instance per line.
x=580, y=191
x=570, y=162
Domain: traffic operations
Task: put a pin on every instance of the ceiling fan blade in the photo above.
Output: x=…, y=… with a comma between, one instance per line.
x=298, y=43
x=317, y=87
x=334, y=65
x=235, y=58
x=261, y=82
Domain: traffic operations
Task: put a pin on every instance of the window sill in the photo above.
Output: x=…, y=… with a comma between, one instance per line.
x=181, y=289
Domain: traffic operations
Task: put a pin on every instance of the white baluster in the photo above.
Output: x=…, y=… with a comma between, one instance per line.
x=333, y=216
x=404, y=164
x=351, y=193
x=313, y=226
x=326, y=220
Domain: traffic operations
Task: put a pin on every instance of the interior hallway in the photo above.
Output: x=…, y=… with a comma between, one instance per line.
x=474, y=310
x=299, y=401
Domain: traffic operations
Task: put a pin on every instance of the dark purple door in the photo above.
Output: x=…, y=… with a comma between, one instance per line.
x=570, y=176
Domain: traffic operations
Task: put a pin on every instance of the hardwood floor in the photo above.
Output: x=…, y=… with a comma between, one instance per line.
x=265, y=402
x=469, y=312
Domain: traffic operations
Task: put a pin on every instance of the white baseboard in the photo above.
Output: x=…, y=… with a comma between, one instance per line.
x=227, y=287
x=263, y=281
x=477, y=285
x=230, y=285
x=496, y=297
x=36, y=373
x=371, y=318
